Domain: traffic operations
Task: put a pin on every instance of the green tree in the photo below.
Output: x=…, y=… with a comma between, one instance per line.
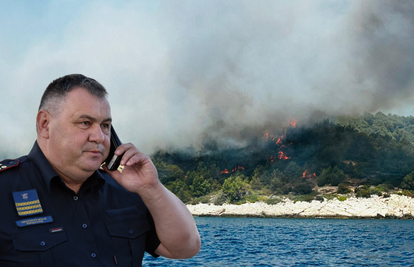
x=256, y=183
x=333, y=176
x=180, y=189
x=277, y=186
x=293, y=171
x=200, y=186
x=235, y=187
x=168, y=172
x=277, y=182
x=408, y=181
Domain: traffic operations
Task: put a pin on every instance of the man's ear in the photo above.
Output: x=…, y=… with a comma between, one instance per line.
x=42, y=123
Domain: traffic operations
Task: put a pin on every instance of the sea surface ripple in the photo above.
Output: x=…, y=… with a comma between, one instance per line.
x=300, y=242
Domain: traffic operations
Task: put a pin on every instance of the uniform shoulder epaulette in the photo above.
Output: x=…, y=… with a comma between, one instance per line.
x=8, y=163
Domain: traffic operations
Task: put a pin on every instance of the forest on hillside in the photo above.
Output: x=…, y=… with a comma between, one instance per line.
x=369, y=154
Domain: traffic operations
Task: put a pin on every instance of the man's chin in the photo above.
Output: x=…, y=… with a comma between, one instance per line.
x=92, y=165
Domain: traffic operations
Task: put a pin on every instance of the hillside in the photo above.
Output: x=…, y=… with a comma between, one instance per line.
x=353, y=153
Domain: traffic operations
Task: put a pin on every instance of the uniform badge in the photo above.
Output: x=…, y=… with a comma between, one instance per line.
x=32, y=221
x=27, y=202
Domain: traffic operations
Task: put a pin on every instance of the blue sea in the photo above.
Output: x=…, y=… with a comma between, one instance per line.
x=300, y=242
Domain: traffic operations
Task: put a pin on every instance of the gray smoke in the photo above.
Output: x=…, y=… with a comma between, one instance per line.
x=250, y=65
x=183, y=71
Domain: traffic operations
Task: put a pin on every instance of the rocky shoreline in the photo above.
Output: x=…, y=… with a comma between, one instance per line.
x=395, y=207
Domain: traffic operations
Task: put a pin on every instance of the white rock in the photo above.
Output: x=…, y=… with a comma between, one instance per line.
x=395, y=205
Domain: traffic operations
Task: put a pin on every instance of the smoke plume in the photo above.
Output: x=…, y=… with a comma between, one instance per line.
x=182, y=71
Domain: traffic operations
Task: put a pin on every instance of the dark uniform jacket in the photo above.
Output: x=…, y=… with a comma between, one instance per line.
x=44, y=223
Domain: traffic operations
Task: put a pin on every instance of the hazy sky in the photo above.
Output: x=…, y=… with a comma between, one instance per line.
x=178, y=71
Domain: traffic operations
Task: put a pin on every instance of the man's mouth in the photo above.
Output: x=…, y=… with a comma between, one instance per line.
x=95, y=152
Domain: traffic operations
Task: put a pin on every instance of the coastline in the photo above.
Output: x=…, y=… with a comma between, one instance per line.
x=392, y=207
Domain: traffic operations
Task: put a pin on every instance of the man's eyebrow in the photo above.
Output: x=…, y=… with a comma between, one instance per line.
x=85, y=116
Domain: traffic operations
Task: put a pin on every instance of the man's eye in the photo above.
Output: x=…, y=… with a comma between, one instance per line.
x=106, y=127
x=86, y=123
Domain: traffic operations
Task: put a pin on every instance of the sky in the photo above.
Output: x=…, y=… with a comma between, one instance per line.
x=178, y=72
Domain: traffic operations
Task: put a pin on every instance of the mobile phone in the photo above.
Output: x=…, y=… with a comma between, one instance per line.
x=112, y=161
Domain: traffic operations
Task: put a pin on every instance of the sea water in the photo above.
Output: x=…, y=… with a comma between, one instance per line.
x=299, y=242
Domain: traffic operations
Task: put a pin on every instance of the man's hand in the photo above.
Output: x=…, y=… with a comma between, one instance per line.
x=174, y=223
x=139, y=174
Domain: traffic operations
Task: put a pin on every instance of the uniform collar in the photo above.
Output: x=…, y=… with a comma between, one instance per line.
x=96, y=180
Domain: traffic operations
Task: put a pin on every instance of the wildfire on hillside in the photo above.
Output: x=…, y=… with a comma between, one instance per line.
x=310, y=176
x=226, y=171
x=237, y=168
x=270, y=137
x=279, y=141
x=282, y=155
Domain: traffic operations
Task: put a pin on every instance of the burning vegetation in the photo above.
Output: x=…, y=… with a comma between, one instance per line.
x=296, y=161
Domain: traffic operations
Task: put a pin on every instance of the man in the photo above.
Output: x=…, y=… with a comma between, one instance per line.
x=59, y=208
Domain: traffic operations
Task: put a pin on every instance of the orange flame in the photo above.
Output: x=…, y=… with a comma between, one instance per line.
x=269, y=137
x=225, y=171
x=293, y=123
x=283, y=156
x=279, y=141
x=309, y=176
x=237, y=168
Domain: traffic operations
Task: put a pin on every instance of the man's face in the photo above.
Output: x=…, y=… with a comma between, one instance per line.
x=79, y=136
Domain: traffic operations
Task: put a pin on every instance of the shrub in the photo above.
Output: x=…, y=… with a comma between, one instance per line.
x=319, y=198
x=273, y=201
x=305, y=198
x=262, y=198
x=253, y=198
x=408, y=182
x=330, y=196
x=240, y=202
x=343, y=189
x=203, y=199
x=364, y=191
x=303, y=188
x=342, y=198
x=219, y=199
x=408, y=193
x=376, y=191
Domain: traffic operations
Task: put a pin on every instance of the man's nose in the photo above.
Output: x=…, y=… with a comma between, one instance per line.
x=96, y=134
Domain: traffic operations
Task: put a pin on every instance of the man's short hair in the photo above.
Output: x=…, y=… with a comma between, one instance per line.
x=57, y=90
